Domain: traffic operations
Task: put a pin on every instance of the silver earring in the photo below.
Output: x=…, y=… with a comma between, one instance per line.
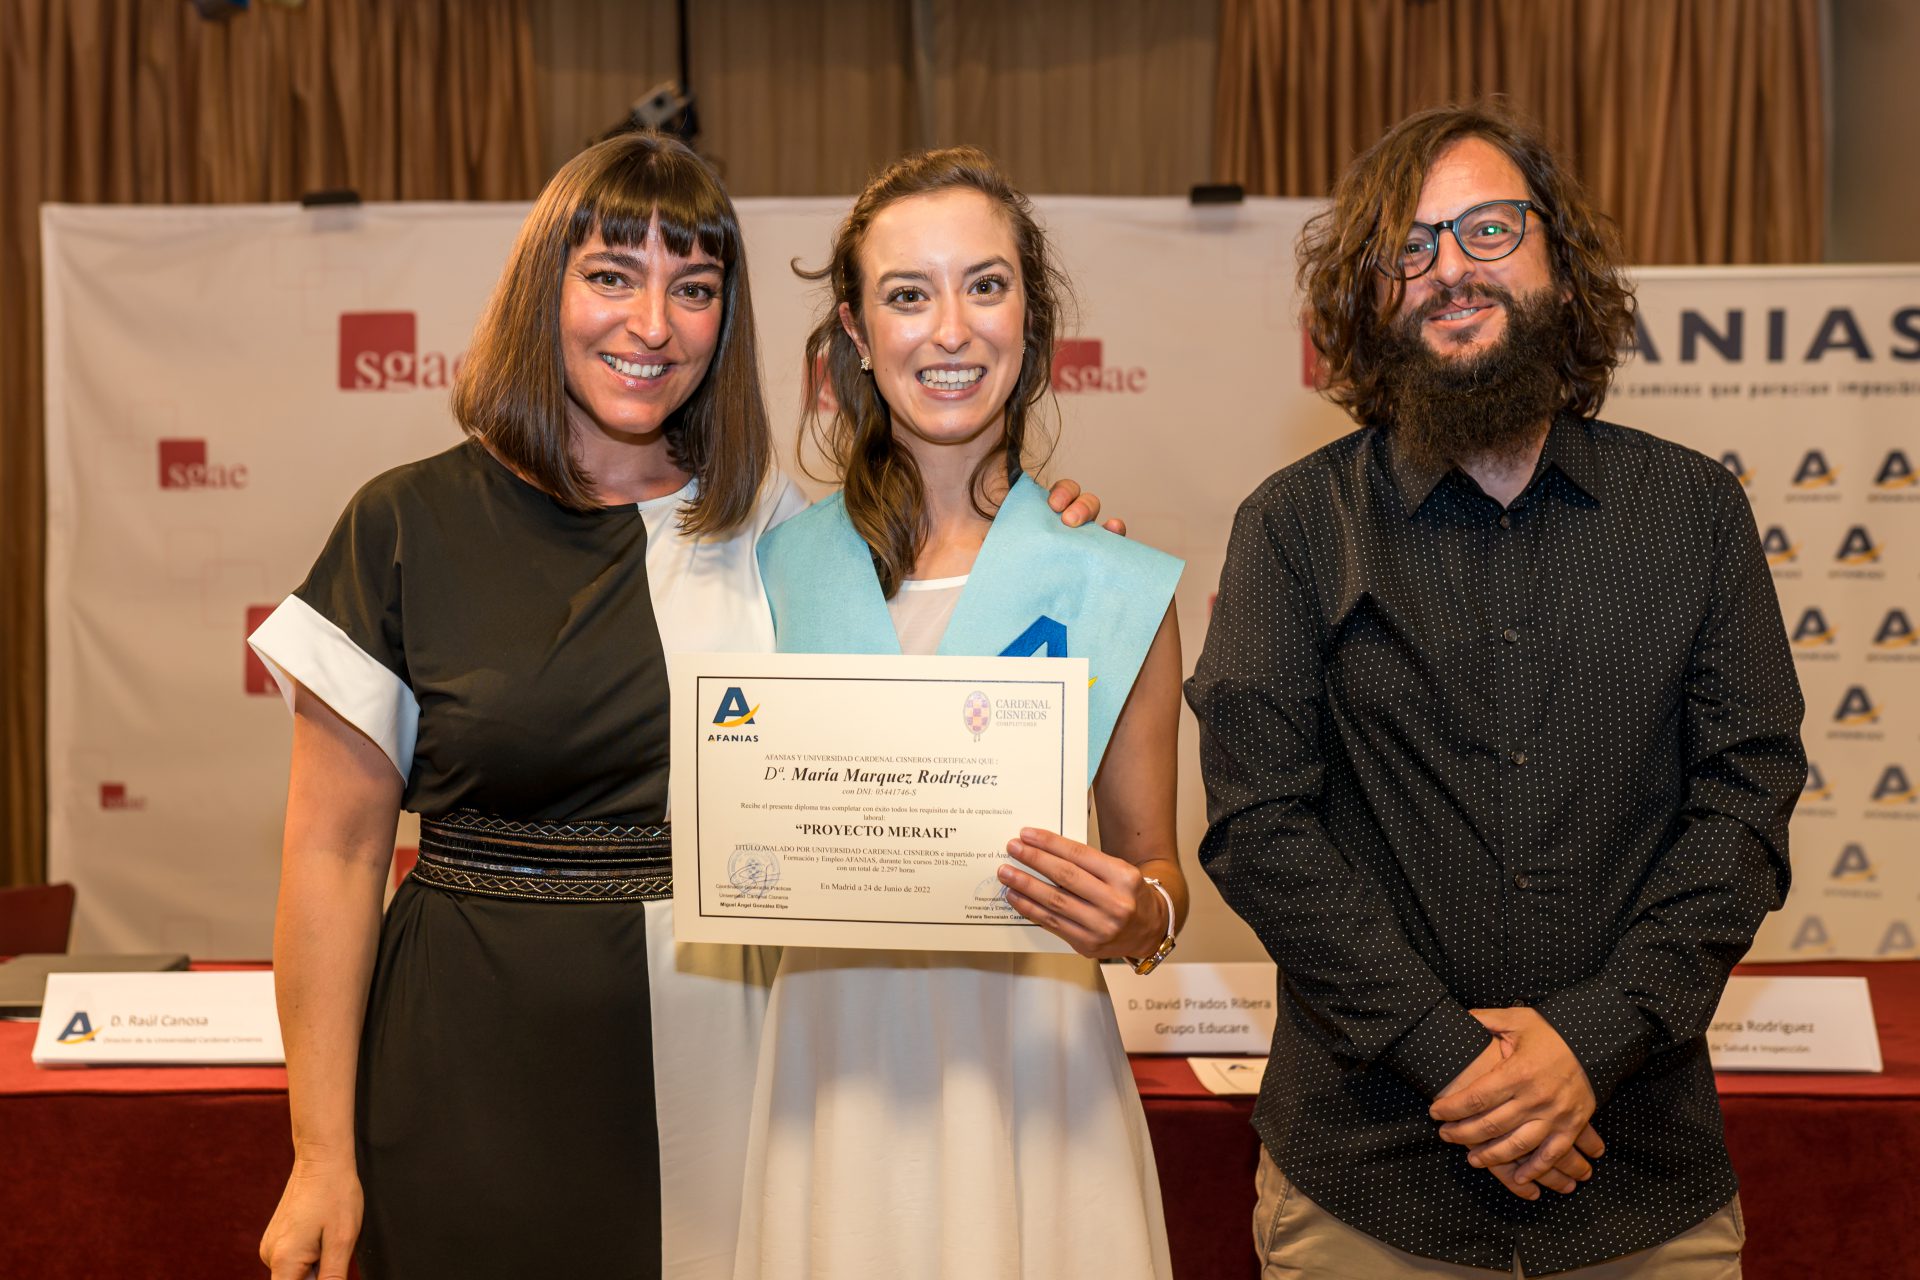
x=866, y=364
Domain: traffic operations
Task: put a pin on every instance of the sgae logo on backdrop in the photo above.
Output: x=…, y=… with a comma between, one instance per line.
x=818, y=387
x=1079, y=364
x=733, y=713
x=379, y=351
x=1312, y=371
x=1897, y=938
x=1731, y=461
x=113, y=795
x=184, y=465
x=258, y=679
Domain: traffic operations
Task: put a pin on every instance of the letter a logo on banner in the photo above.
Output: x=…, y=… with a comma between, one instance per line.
x=1898, y=938
x=1812, y=629
x=1779, y=547
x=1813, y=473
x=1852, y=864
x=1896, y=472
x=1731, y=461
x=1893, y=787
x=1811, y=933
x=1856, y=707
x=1816, y=788
x=1858, y=547
x=1895, y=632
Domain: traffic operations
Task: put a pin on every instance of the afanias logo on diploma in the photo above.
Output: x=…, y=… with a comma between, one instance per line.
x=733, y=713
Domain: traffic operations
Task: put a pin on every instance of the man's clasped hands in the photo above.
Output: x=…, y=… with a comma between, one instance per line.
x=1522, y=1107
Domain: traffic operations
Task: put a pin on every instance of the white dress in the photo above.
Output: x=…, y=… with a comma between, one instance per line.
x=945, y=1116
x=708, y=1000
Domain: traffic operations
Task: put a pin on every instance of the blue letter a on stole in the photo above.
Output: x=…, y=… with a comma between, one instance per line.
x=1045, y=634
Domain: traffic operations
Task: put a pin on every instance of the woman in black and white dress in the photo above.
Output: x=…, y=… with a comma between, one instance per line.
x=482, y=641
x=491, y=1080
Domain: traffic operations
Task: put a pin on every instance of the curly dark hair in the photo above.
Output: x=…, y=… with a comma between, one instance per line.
x=1350, y=303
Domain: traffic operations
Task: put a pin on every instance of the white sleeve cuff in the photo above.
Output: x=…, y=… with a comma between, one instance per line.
x=298, y=644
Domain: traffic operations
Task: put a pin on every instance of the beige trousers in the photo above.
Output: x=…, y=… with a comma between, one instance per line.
x=1295, y=1237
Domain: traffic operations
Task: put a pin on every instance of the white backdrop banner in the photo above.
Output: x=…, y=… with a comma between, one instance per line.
x=1804, y=382
x=221, y=379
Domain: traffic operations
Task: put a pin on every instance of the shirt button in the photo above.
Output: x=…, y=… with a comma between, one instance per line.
x=1510, y=635
x=1518, y=757
x=1522, y=882
x=1506, y=521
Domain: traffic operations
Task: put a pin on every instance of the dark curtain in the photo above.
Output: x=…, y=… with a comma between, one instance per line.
x=1698, y=125
x=122, y=101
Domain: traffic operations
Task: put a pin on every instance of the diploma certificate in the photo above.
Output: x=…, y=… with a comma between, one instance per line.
x=860, y=801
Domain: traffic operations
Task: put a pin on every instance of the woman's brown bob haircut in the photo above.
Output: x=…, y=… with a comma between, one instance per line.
x=512, y=391
x=881, y=486
x=1350, y=303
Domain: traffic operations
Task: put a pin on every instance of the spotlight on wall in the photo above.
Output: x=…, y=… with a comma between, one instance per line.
x=663, y=107
x=1217, y=193
x=330, y=197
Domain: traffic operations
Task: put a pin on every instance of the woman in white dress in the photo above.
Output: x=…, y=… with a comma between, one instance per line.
x=957, y=1115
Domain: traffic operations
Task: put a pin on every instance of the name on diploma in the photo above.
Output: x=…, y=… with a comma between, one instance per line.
x=834, y=800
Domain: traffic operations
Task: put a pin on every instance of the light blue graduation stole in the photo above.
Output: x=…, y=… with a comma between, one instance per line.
x=1037, y=589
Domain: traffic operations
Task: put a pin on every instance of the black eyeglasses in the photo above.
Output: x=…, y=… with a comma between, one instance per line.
x=1486, y=233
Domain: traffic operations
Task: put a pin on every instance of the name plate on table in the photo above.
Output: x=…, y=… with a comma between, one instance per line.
x=1794, y=1024
x=158, y=1019
x=1194, y=1008
x=1229, y=1075
x=830, y=800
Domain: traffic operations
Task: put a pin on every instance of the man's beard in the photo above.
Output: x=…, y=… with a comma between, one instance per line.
x=1488, y=406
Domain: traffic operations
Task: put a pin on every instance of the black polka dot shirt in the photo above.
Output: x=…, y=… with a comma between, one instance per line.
x=1463, y=757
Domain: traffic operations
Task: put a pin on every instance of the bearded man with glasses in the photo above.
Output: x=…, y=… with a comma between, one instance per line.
x=1500, y=732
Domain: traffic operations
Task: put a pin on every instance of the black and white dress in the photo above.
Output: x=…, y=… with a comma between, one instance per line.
x=528, y=1069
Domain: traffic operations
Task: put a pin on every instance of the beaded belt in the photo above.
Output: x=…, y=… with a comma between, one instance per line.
x=468, y=852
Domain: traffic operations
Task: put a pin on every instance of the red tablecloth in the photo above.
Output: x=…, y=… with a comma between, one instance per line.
x=1826, y=1162
x=171, y=1173
x=168, y=1172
